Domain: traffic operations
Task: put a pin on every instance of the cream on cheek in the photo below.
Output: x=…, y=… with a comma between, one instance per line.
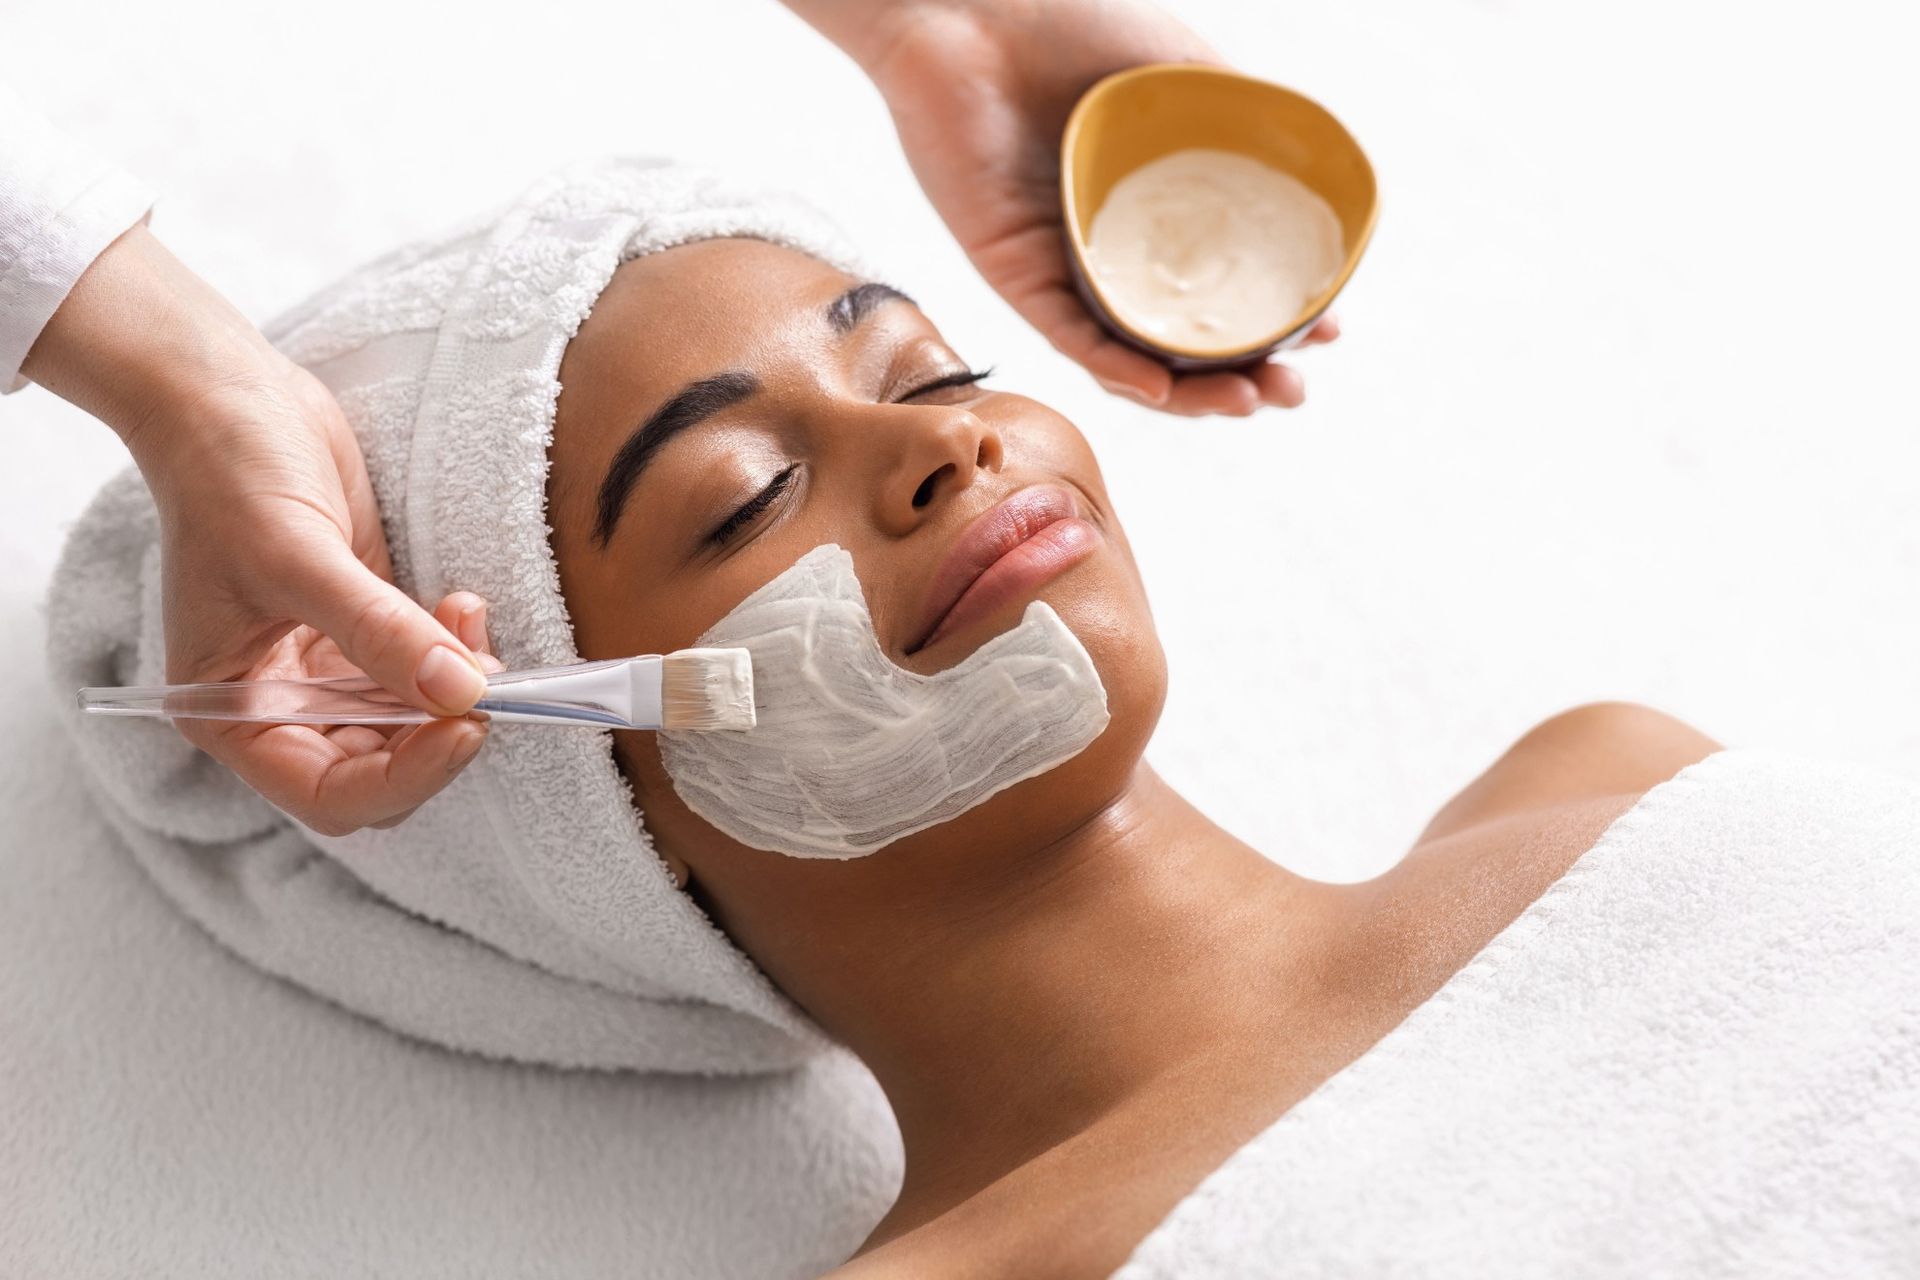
x=851, y=752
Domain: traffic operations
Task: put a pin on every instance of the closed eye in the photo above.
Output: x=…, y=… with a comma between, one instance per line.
x=752, y=507
x=966, y=377
x=750, y=510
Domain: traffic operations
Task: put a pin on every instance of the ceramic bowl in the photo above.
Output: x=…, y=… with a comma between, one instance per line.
x=1138, y=115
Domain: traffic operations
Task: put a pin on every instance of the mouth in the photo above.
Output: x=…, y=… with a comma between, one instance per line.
x=1005, y=554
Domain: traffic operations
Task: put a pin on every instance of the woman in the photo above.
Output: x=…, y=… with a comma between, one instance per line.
x=639, y=395
x=1040, y=983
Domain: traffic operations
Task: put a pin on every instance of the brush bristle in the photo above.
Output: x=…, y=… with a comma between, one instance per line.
x=707, y=689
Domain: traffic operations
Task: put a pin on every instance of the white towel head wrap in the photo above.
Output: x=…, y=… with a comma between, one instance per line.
x=522, y=913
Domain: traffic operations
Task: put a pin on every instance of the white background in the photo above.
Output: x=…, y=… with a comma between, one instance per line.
x=1626, y=406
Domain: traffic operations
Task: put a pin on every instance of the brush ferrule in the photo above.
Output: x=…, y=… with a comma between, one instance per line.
x=622, y=693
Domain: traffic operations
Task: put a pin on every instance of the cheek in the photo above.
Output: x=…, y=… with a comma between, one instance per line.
x=1039, y=440
x=1105, y=605
x=1101, y=601
x=1106, y=608
x=622, y=602
x=1107, y=611
x=851, y=752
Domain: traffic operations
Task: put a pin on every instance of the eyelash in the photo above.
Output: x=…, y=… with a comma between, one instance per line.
x=752, y=507
x=965, y=378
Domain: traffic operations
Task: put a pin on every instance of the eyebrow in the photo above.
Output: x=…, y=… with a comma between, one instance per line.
x=846, y=312
x=691, y=405
x=698, y=401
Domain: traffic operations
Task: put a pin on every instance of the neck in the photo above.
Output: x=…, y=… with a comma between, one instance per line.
x=1004, y=1019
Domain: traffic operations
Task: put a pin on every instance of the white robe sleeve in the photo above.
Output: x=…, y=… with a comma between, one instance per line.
x=60, y=205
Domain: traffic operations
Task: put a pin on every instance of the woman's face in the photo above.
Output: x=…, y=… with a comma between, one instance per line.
x=731, y=404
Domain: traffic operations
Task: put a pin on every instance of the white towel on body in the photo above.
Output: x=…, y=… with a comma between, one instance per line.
x=1697, y=1054
x=522, y=913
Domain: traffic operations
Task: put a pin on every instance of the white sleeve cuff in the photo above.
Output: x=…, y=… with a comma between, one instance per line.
x=60, y=206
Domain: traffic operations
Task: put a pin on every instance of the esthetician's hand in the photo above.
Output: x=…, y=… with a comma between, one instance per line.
x=270, y=539
x=980, y=91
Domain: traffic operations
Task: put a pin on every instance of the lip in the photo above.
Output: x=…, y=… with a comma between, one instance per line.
x=1005, y=553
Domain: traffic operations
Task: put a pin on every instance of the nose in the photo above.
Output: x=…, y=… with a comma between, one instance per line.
x=939, y=451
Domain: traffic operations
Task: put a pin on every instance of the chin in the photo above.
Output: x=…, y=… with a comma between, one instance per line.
x=1107, y=611
x=1120, y=638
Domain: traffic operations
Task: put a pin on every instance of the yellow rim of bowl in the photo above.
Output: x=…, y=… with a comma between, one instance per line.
x=1315, y=307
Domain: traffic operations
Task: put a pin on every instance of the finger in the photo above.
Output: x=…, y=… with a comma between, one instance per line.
x=1281, y=385
x=320, y=412
x=384, y=786
x=385, y=737
x=401, y=734
x=1044, y=297
x=1060, y=315
x=472, y=628
x=1064, y=321
x=398, y=818
x=1199, y=394
x=358, y=739
x=1326, y=329
x=384, y=633
x=465, y=614
x=1122, y=371
x=318, y=782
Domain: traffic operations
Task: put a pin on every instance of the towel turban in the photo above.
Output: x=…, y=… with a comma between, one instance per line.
x=522, y=913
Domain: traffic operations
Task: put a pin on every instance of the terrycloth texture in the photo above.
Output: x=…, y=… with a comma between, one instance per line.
x=169, y=1112
x=1697, y=1054
x=522, y=912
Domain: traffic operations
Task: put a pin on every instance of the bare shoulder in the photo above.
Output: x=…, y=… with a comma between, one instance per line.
x=1506, y=837
x=1591, y=753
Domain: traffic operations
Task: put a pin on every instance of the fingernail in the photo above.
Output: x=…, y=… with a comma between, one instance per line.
x=473, y=627
x=449, y=680
x=465, y=751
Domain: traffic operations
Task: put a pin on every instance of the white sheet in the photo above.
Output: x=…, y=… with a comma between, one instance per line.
x=1696, y=1054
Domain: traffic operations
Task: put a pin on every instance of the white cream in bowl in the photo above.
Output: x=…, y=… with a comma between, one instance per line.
x=1212, y=250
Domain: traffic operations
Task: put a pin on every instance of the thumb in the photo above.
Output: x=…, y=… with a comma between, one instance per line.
x=382, y=631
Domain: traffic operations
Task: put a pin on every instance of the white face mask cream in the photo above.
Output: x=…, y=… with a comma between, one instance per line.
x=1212, y=250
x=850, y=752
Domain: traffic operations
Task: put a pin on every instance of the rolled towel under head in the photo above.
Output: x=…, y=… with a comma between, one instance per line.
x=522, y=913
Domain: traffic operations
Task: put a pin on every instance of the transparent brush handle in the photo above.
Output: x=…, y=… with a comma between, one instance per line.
x=355, y=699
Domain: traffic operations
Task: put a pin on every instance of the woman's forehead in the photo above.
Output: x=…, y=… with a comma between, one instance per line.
x=687, y=312
x=696, y=285
x=675, y=318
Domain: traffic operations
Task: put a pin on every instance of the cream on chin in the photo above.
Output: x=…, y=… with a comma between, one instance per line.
x=851, y=752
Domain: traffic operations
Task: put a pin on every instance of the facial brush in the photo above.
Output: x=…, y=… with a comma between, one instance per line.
x=690, y=689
